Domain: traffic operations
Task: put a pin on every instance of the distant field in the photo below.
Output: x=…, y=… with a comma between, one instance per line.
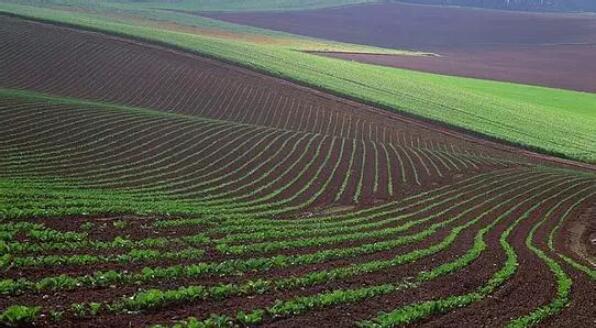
x=529, y=5
x=554, y=50
x=210, y=5
x=522, y=115
x=554, y=66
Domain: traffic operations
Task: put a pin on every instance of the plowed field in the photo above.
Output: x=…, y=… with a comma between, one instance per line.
x=141, y=186
x=553, y=50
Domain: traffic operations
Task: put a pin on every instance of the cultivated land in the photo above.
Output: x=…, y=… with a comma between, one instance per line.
x=552, y=50
x=517, y=114
x=143, y=184
x=226, y=105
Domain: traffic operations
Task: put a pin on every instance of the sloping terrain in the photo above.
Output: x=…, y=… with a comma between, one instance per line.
x=251, y=112
x=542, y=49
x=141, y=185
x=487, y=108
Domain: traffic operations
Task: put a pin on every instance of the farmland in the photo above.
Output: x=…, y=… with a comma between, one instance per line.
x=148, y=180
x=529, y=48
x=311, y=129
x=398, y=257
x=478, y=106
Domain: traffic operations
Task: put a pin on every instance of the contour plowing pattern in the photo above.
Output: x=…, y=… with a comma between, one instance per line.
x=141, y=186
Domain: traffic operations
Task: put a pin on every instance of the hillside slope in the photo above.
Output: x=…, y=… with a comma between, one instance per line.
x=521, y=115
x=142, y=186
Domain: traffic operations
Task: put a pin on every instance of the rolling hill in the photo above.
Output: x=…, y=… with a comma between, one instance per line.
x=160, y=174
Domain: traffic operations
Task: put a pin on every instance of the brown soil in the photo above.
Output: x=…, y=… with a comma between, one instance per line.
x=558, y=66
x=580, y=312
x=176, y=151
x=554, y=50
x=181, y=154
x=580, y=233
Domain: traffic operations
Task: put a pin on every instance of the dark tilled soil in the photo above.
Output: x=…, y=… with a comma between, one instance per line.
x=558, y=66
x=554, y=50
x=47, y=59
x=580, y=312
x=88, y=83
x=464, y=281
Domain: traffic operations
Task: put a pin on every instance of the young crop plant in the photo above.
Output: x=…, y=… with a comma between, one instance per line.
x=120, y=224
x=418, y=311
x=87, y=226
x=350, y=296
x=321, y=277
x=19, y=315
x=151, y=182
x=564, y=282
x=358, y=192
x=227, y=267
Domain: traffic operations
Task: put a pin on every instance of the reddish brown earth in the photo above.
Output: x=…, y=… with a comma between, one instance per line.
x=65, y=62
x=271, y=122
x=509, y=300
x=554, y=50
x=551, y=66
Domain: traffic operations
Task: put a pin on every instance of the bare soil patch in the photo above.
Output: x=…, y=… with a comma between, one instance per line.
x=554, y=50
